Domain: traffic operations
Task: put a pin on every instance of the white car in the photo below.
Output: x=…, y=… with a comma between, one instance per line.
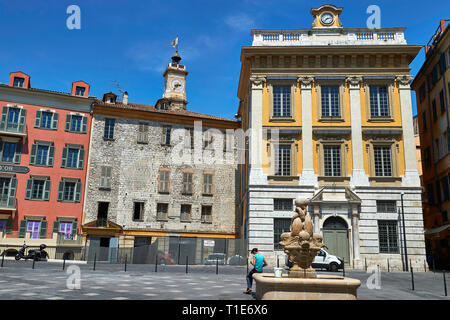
x=324, y=260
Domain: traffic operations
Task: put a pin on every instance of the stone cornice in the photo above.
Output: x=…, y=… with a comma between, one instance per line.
x=257, y=82
x=354, y=82
x=305, y=81
x=404, y=81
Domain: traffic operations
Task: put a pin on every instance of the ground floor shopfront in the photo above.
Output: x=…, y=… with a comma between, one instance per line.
x=362, y=225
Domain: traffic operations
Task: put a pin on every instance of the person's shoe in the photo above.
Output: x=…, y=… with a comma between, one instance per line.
x=248, y=291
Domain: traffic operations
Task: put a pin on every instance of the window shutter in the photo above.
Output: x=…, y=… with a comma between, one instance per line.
x=1, y=150
x=4, y=117
x=84, y=125
x=12, y=193
x=47, y=187
x=18, y=152
x=29, y=188
x=33, y=154
x=68, y=119
x=8, y=226
x=55, y=119
x=55, y=226
x=37, y=120
x=80, y=158
x=22, y=116
x=77, y=192
x=61, y=191
x=163, y=135
x=106, y=177
x=64, y=157
x=43, y=231
x=51, y=156
x=22, y=228
x=74, y=229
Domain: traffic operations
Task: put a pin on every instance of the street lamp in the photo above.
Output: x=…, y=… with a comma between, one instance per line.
x=404, y=233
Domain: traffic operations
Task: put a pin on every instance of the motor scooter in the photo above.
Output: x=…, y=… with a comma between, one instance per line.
x=36, y=255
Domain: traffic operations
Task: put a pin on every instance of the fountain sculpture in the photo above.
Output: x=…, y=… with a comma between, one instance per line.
x=301, y=245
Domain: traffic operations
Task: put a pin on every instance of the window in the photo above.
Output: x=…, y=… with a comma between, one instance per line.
x=280, y=225
x=76, y=123
x=142, y=136
x=109, y=129
x=386, y=206
x=330, y=101
x=187, y=183
x=424, y=121
x=67, y=229
x=42, y=154
x=442, y=101
x=34, y=228
x=387, y=235
x=72, y=157
x=10, y=151
x=438, y=192
x=332, y=161
x=185, y=214
x=382, y=161
x=283, y=160
x=38, y=189
x=208, y=139
x=79, y=91
x=445, y=188
x=430, y=194
x=283, y=205
x=105, y=179
x=102, y=214
x=18, y=82
x=422, y=93
x=46, y=120
x=433, y=103
x=8, y=192
x=138, y=212
x=281, y=101
x=13, y=119
x=162, y=210
x=164, y=179
x=69, y=190
x=427, y=157
x=206, y=214
x=207, y=183
x=165, y=135
x=379, y=101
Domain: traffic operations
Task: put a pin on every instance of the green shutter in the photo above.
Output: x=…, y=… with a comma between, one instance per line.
x=51, y=156
x=61, y=191
x=64, y=157
x=55, y=121
x=8, y=227
x=4, y=118
x=22, y=116
x=18, y=152
x=74, y=229
x=29, y=189
x=68, y=118
x=55, y=226
x=78, y=192
x=43, y=231
x=33, y=154
x=12, y=193
x=1, y=150
x=37, y=120
x=80, y=158
x=84, y=124
x=22, y=228
x=47, y=186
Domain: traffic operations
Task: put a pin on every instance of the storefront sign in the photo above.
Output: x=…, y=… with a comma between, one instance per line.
x=208, y=243
x=15, y=169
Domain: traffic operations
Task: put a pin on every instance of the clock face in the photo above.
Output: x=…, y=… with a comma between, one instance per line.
x=176, y=85
x=327, y=18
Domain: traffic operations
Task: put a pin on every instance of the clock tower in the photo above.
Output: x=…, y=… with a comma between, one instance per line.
x=326, y=16
x=174, y=97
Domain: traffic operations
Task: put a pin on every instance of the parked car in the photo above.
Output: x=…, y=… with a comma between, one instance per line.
x=236, y=260
x=165, y=258
x=215, y=258
x=324, y=260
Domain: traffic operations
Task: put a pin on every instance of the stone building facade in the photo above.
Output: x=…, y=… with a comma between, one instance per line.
x=140, y=191
x=329, y=109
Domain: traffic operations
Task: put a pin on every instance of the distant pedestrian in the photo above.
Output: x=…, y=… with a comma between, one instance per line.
x=258, y=262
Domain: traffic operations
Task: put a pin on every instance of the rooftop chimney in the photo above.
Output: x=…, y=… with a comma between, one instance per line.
x=125, y=98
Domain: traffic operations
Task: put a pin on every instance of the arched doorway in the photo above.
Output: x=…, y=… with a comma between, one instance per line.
x=335, y=237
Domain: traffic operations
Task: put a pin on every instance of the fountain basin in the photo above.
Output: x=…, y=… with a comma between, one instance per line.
x=324, y=287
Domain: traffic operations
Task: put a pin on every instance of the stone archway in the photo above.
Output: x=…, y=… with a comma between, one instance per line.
x=335, y=237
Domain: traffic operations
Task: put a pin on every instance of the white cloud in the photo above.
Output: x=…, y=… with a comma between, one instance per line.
x=240, y=22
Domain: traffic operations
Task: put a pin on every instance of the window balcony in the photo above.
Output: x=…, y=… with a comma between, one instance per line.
x=14, y=130
x=74, y=240
x=102, y=222
x=8, y=203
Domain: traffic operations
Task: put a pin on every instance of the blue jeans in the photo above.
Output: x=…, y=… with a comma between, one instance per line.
x=250, y=278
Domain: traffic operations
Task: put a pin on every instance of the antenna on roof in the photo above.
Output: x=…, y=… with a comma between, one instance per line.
x=116, y=82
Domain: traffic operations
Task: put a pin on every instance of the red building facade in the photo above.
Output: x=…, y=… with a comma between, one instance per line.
x=44, y=145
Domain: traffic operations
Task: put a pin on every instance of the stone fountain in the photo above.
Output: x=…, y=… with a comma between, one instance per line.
x=301, y=245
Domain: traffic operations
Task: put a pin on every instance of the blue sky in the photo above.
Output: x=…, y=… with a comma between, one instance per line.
x=129, y=41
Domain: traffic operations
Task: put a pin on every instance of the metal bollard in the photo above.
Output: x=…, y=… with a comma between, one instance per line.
x=424, y=265
x=365, y=263
x=388, y=265
x=95, y=260
x=217, y=266
x=33, y=263
x=343, y=269
x=156, y=264
x=3, y=258
x=412, y=278
x=445, y=284
x=126, y=263
x=64, y=264
x=187, y=259
x=247, y=265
